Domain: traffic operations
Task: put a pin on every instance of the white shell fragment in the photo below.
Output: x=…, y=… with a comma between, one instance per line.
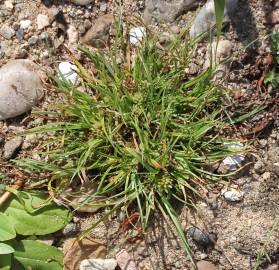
x=232, y=195
x=235, y=161
x=136, y=35
x=68, y=72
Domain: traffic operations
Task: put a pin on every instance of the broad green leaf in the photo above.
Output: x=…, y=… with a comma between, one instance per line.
x=45, y=220
x=5, y=261
x=5, y=249
x=34, y=255
x=7, y=230
x=219, y=13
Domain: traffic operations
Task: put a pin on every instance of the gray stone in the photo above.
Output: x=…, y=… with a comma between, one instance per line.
x=21, y=88
x=33, y=40
x=206, y=16
x=98, y=264
x=166, y=10
x=20, y=34
x=200, y=238
x=82, y=2
x=98, y=35
x=70, y=229
x=11, y=147
x=29, y=141
x=7, y=32
x=219, y=54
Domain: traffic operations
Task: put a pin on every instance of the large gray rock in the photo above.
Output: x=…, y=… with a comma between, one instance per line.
x=206, y=16
x=166, y=10
x=98, y=264
x=20, y=88
x=98, y=35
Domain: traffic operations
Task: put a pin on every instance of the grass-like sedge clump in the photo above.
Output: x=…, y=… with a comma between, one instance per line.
x=146, y=133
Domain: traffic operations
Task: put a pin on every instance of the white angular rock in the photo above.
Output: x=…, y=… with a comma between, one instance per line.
x=42, y=21
x=82, y=2
x=24, y=24
x=234, y=161
x=98, y=264
x=232, y=195
x=206, y=16
x=20, y=88
x=136, y=35
x=72, y=34
x=68, y=71
x=8, y=5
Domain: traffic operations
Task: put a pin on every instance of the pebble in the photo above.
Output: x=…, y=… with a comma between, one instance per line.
x=166, y=10
x=11, y=147
x=87, y=24
x=25, y=24
x=29, y=141
x=206, y=265
x=234, y=161
x=125, y=261
x=9, y=5
x=21, y=54
x=70, y=229
x=7, y=32
x=103, y=7
x=20, y=34
x=21, y=88
x=67, y=71
x=82, y=2
x=42, y=21
x=33, y=40
x=98, y=35
x=206, y=16
x=72, y=34
x=136, y=35
x=200, y=238
x=219, y=54
x=98, y=264
x=232, y=195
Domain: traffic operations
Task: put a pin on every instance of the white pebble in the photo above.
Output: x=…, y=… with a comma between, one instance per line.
x=68, y=71
x=24, y=24
x=136, y=35
x=232, y=195
x=234, y=161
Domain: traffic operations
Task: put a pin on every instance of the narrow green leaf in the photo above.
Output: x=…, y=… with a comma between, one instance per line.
x=7, y=230
x=219, y=13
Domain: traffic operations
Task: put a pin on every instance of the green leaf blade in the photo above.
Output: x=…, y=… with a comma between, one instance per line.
x=5, y=249
x=45, y=220
x=7, y=230
x=31, y=254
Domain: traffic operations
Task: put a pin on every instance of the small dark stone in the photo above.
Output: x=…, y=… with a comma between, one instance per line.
x=20, y=34
x=200, y=238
